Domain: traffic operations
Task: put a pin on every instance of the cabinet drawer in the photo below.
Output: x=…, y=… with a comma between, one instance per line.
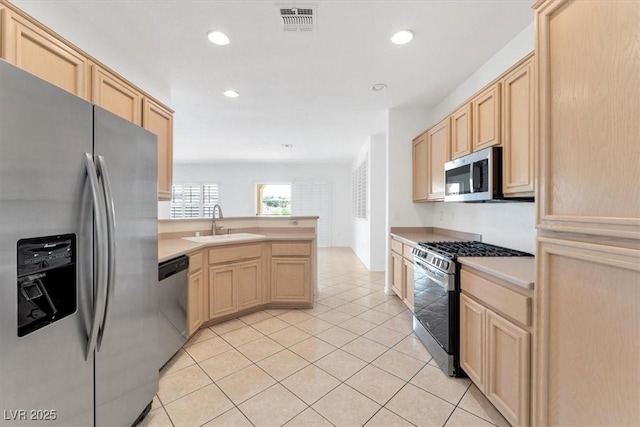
x=396, y=246
x=234, y=253
x=406, y=252
x=501, y=299
x=195, y=261
x=291, y=249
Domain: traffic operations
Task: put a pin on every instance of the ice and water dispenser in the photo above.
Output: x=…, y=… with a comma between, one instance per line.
x=46, y=281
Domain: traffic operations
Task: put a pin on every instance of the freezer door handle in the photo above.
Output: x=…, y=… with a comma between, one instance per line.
x=100, y=254
x=103, y=174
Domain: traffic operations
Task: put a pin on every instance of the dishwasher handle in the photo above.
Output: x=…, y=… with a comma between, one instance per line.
x=173, y=266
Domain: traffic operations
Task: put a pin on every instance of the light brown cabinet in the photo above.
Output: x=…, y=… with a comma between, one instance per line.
x=518, y=131
x=420, y=168
x=291, y=273
x=495, y=343
x=159, y=120
x=472, y=340
x=587, y=358
x=486, y=118
x=249, y=284
x=402, y=272
x=461, y=131
x=39, y=52
x=196, y=296
x=115, y=95
x=431, y=150
x=438, y=153
x=235, y=279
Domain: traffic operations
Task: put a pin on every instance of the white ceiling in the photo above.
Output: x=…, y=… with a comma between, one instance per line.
x=311, y=90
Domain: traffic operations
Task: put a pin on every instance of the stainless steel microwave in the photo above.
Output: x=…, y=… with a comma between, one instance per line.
x=475, y=177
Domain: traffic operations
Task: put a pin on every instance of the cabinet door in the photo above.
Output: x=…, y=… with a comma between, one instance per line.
x=40, y=53
x=249, y=284
x=407, y=273
x=588, y=146
x=472, y=340
x=461, y=132
x=508, y=369
x=195, y=312
x=223, y=295
x=290, y=279
x=159, y=120
x=486, y=118
x=588, y=332
x=396, y=274
x=438, y=153
x=517, y=121
x=115, y=95
x=420, y=168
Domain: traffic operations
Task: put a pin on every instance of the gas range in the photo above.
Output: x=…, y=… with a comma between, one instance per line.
x=442, y=255
x=436, y=295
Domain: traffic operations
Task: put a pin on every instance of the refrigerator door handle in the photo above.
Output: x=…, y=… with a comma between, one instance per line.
x=100, y=254
x=111, y=245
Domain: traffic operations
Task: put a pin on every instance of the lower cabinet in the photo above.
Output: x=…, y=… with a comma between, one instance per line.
x=291, y=272
x=402, y=271
x=196, y=293
x=195, y=310
x=234, y=286
x=290, y=279
x=496, y=355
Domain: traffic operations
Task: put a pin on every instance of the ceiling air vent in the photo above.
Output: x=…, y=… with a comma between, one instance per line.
x=298, y=19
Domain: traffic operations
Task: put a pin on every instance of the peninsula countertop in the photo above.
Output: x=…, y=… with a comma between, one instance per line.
x=172, y=248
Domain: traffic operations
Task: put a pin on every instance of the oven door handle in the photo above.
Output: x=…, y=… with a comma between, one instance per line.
x=445, y=281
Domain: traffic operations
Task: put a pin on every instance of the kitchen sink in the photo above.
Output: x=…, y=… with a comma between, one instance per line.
x=238, y=237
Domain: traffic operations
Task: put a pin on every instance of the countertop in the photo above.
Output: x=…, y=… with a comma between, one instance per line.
x=172, y=248
x=519, y=271
x=411, y=236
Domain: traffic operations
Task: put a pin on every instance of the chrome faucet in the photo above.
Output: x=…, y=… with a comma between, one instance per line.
x=214, y=228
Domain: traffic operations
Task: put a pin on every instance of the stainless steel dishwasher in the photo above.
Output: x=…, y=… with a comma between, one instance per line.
x=172, y=316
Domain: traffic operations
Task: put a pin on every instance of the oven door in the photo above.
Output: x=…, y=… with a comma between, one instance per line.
x=434, y=303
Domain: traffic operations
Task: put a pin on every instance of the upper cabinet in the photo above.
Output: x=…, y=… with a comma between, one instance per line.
x=438, y=153
x=420, y=169
x=486, y=118
x=39, y=52
x=115, y=95
x=159, y=120
x=33, y=47
x=518, y=131
x=461, y=131
x=431, y=150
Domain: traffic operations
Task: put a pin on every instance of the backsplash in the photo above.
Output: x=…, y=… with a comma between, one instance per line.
x=507, y=224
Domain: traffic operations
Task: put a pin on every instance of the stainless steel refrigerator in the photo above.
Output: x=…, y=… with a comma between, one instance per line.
x=78, y=259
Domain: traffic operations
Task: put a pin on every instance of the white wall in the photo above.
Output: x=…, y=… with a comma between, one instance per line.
x=236, y=186
x=370, y=233
x=505, y=224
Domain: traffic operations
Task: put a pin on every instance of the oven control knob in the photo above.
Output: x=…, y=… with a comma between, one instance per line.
x=445, y=264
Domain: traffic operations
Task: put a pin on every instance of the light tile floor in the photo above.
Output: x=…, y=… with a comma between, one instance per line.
x=352, y=360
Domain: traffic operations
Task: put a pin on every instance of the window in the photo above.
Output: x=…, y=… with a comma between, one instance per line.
x=273, y=199
x=359, y=191
x=193, y=200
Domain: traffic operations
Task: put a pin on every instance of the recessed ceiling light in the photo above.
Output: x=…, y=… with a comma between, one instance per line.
x=219, y=38
x=378, y=87
x=230, y=93
x=402, y=37
x=286, y=145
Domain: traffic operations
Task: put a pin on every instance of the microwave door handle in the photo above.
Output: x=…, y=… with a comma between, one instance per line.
x=101, y=254
x=476, y=177
x=471, y=178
